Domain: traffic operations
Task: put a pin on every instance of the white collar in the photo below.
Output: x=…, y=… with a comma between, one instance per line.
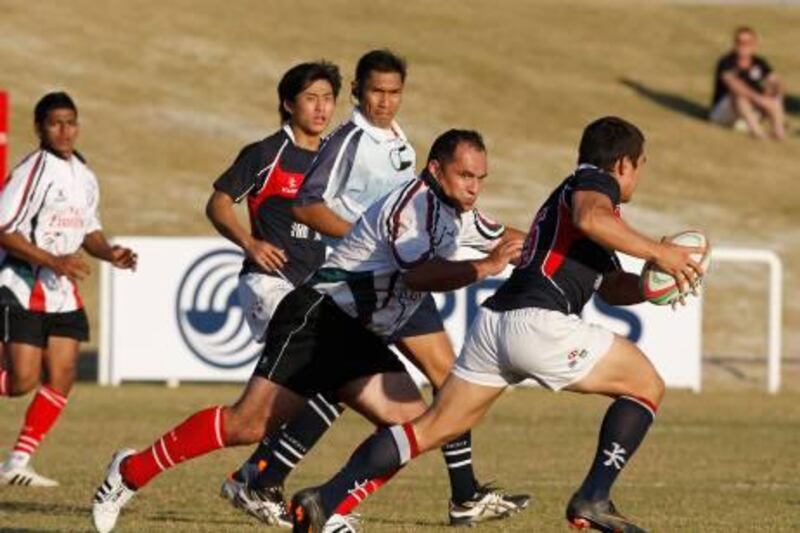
x=377, y=134
x=288, y=129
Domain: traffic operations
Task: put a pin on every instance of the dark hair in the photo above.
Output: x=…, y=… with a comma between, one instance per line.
x=299, y=77
x=49, y=102
x=607, y=140
x=382, y=60
x=444, y=147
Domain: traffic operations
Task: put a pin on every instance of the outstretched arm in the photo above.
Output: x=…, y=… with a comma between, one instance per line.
x=442, y=275
x=593, y=214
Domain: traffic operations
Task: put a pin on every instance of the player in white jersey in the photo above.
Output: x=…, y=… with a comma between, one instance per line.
x=409, y=236
x=364, y=159
x=48, y=212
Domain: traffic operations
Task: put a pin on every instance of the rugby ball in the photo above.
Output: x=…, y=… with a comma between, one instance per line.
x=660, y=288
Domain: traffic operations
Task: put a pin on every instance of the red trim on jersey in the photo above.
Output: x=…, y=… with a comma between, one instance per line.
x=565, y=235
x=395, y=218
x=36, y=302
x=76, y=295
x=279, y=183
x=25, y=193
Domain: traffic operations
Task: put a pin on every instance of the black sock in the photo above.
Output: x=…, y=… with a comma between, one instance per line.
x=278, y=454
x=458, y=456
x=624, y=427
x=380, y=455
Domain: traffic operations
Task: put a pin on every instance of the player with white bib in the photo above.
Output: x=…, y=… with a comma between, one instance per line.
x=531, y=328
x=48, y=212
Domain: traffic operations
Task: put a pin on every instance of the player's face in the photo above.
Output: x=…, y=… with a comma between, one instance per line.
x=59, y=131
x=382, y=96
x=462, y=178
x=629, y=176
x=312, y=109
x=745, y=44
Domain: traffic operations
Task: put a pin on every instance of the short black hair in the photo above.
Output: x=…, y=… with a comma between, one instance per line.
x=299, y=77
x=383, y=60
x=609, y=139
x=49, y=102
x=444, y=147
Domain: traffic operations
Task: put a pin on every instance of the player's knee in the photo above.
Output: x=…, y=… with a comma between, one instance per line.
x=401, y=412
x=23, y=382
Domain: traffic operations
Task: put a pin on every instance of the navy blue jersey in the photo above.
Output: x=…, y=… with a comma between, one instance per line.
x=269, y=173
x=560, y=268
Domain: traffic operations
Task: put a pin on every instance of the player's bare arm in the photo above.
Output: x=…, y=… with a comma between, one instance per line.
x=621, y=288
x=96, y=245
x=740, y=88
x=322, y=219
x=441, y=275
x=220, y=212
x=71, y=265
x=594, y=215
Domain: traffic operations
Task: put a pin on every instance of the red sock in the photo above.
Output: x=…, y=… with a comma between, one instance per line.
x=199, y=434
x=354, y=498
x=5, y=382
x=42, y=413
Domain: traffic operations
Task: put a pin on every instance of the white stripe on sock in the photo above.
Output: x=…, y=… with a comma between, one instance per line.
x=25, y=447
x=401, y=441
x=166, y=453
x=29, y=440
x=450, y=453
x=334, y=411
x=289, y=448
x=284, y=460
x=452, y=466
x=218, y=427
x=319, y=412
x=155, y=456
x=51, y=397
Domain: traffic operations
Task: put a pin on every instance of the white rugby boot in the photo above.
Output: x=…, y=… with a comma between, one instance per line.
x=23, y=475
x=112, y=495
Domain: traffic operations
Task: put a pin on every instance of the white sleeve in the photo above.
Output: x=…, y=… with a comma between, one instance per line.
x=21, y=197
x=479, y=231
x=93, y=206
x=410, y=226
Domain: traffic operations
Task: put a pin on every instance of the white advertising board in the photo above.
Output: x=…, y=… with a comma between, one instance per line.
x=178, y=318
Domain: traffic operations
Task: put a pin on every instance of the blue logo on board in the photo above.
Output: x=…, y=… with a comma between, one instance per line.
x=210, y=318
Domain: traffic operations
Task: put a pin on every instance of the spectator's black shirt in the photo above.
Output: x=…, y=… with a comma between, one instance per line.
x=561, y=268
x=753, y=76
x=269, y=173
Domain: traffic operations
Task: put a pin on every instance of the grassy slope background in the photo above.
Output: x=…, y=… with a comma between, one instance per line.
x=168, y=93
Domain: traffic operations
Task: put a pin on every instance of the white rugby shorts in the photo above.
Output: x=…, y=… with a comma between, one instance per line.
x=505, y=348
x=260, y=295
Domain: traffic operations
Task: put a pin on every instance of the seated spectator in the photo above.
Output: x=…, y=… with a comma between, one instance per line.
x=746, y=89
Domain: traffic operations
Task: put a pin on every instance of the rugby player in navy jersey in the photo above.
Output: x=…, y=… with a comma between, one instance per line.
x=531, y=328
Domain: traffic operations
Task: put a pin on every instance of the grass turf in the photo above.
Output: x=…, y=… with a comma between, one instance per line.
x=719, y=461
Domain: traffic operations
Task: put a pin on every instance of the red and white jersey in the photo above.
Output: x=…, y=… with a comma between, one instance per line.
x=52, y=202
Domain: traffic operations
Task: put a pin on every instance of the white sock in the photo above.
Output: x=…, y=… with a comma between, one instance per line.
x=18, y=459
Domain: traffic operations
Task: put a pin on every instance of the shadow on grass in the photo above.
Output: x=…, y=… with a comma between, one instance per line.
x=672, y=101
x=392, y=522
x=172, y=516
x=48, y=508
